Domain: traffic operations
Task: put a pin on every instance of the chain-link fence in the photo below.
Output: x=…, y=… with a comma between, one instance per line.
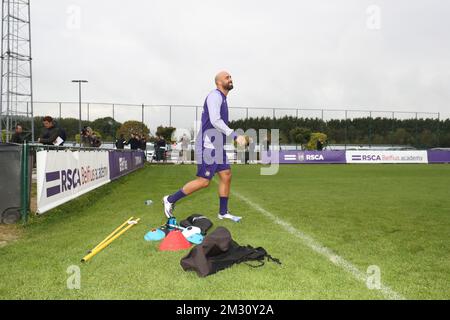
x=343, y=127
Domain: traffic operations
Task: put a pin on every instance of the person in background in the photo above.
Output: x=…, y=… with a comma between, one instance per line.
x=89, y=139
x=50, y=133
x=18, y=136
x=143, y=143
x=250, y=154
x=319, y=145
x=133, y=142
x=120, y=142
x=161, y=148
x=184, y=148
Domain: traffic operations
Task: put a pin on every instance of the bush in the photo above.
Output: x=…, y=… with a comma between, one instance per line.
x=312, y=143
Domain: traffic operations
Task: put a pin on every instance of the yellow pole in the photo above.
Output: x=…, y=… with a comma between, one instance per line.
x=111, y=234
x=111, y=239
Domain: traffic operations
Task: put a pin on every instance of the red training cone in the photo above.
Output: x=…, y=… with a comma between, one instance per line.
x=174, y=241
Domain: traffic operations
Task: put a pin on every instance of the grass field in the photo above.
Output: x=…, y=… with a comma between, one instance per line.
x=326, y=223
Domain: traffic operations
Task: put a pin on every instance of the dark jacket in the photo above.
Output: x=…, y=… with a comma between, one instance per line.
x=143, y=145
x=17, y=137
x=48, y=136
x=134, y=143
x=120, y=143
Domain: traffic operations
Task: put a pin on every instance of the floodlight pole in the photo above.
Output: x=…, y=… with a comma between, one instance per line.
x=79, y=104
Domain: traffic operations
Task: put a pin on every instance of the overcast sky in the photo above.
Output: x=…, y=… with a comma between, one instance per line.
x=355, y=54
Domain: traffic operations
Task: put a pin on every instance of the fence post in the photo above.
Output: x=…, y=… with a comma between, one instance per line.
x=142, y=119
x=32, y=122
x=370, y=129
x=24, y=186
x=416, y=132
x=392, y=130
x=439, y=130
x=170, y=116
x=346, y=130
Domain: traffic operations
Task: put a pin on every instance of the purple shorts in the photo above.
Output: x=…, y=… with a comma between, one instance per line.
x=208, y=165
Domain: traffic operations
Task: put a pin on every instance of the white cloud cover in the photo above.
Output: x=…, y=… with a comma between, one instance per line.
x=310, y=54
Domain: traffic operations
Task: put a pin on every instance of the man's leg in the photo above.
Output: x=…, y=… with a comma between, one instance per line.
x=224, y=192
x=188, y=188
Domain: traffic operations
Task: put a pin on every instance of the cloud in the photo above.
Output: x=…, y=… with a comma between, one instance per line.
x=299, y=54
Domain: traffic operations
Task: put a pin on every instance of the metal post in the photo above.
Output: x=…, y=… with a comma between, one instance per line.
x=246, y=113
x=346, y=129
x=370, y=128
x=416, y=129
x=170, y=116
x=60, y=111
x=142, y=118
x=79, y=110
x=392, y=131
x=196, y=115
x=25, y=183
x=88, y=111
x=439, y=130
x=8, y=89
x=273, y=113
x=79, y=104
x=113, y=112
x=296, y=113
x=31, y=71
x=32, y=122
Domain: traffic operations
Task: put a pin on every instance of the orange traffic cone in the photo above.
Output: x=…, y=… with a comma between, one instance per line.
x=174, y=241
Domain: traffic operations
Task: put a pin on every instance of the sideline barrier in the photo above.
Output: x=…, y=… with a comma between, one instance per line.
x=438, y=156
x=413, y=156
x=122, y=163
x=294, y=156
x=360, y=156
x=63, y=175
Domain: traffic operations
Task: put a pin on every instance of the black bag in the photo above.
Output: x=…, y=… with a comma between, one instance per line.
x=197, y=220
x=219, y=251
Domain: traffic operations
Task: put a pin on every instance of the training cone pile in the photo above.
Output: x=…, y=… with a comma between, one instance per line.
x=174, y=241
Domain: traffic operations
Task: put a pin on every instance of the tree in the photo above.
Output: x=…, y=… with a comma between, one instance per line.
x=300, y=135
x=165, y=132
x=312, y=143
x=132, y=126
x=106, y=126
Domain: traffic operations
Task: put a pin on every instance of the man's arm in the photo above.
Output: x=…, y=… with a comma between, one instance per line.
x=54, y=133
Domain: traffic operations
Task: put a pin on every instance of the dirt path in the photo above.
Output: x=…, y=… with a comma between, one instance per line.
x=8, y=234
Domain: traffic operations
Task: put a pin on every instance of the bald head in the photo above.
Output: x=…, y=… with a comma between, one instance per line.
x=224, y=82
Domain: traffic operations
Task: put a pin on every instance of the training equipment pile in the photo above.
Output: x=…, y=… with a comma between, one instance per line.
x=219, y=251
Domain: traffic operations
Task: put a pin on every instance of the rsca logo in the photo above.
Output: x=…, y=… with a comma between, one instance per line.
x=366, y=157
x=71, y=179
x=310, y=157
x=314, y=157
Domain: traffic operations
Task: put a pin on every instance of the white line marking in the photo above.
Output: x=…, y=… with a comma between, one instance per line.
x=320, y=249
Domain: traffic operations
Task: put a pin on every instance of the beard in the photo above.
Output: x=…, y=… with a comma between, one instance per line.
x=230, y=86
